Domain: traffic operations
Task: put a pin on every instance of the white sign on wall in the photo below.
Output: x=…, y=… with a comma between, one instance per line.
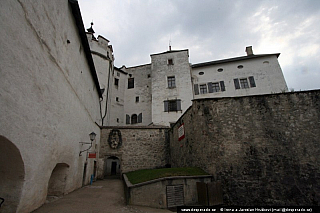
x=181, y=132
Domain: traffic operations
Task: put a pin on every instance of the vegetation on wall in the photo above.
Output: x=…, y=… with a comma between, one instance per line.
x=144, y=175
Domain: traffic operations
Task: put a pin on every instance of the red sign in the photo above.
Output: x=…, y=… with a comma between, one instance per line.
x=92, y=155
x=181, y=132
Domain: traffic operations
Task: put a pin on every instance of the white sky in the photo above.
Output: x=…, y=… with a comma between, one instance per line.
x=213, y=30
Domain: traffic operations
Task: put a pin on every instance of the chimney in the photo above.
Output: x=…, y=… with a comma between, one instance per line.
x=169, y=47
x=249, y=50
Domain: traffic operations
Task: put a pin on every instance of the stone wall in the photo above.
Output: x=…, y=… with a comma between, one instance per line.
x=153, y=193
x=141, y=148
x=264, y=149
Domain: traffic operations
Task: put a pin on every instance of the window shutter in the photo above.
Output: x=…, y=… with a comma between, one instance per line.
x=252, y=82
x=236, y=83
x=196, y=89
x=210, y=87
x=166, y=106
x=127, y=119
x=140, y=118
x=178, y=105
x=223, y=88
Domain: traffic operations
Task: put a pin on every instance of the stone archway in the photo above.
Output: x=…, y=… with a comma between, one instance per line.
x=112, y=168
x=58, y=180
x=11, y=175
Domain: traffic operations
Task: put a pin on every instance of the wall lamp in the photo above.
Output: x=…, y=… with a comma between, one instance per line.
x=92, y=136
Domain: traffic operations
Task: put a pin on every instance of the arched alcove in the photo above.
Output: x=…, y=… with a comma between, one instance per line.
x=58, y=179
x=112, y=167
x=11, y=175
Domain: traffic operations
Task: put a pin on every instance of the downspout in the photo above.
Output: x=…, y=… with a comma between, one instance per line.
x=107, y=93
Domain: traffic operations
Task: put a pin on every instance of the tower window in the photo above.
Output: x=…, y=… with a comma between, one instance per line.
x=137, y=99
x=170, y=61
x=172, y=105
x=116, y=81
x=171, y=82
x=134, y=119
x=130, y=83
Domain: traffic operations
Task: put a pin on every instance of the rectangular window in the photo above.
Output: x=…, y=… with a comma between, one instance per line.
x=244, y=83
x=130, y=83
x=236, y=83
x=116, y=82
x=215, y=87
x=137, y=99
x=170, y=61
x=172, y=105
x=171, y=82
x=203, y=89
x=252, y=82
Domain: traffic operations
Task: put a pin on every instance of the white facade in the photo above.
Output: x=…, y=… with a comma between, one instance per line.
x=138, y=95
x=242, y=76
x=164, y=89
x=171, y=86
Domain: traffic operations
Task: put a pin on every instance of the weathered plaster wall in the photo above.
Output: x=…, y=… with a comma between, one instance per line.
x=160, y=92
x=266, y=71
x=142, y=148
x=49, y=101
x=142, y=89
x=103, y=61
x=264, y=149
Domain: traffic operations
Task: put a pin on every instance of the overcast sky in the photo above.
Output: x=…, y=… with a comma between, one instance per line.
x=213, y=30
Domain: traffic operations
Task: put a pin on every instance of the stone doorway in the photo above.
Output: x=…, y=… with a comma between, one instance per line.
x=11, y=175
x=112, y=169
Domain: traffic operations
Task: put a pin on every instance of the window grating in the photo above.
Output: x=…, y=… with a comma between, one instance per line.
x=175, y=196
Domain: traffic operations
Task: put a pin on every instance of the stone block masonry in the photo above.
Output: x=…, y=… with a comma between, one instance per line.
x=141, y=148
x=264, y=149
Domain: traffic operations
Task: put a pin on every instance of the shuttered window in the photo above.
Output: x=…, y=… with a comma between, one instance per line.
x=203, y=89
x=236, y=83
x=210, y=87
x=223, y=88
x=172, y=105
x=196, y=89
x=127, y=119
x=140, y=118
x=252, y=82
x=134, y=119
x=215, y=87
x=244, y=83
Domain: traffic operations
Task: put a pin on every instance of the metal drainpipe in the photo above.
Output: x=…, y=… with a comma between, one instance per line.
x=107, y=94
